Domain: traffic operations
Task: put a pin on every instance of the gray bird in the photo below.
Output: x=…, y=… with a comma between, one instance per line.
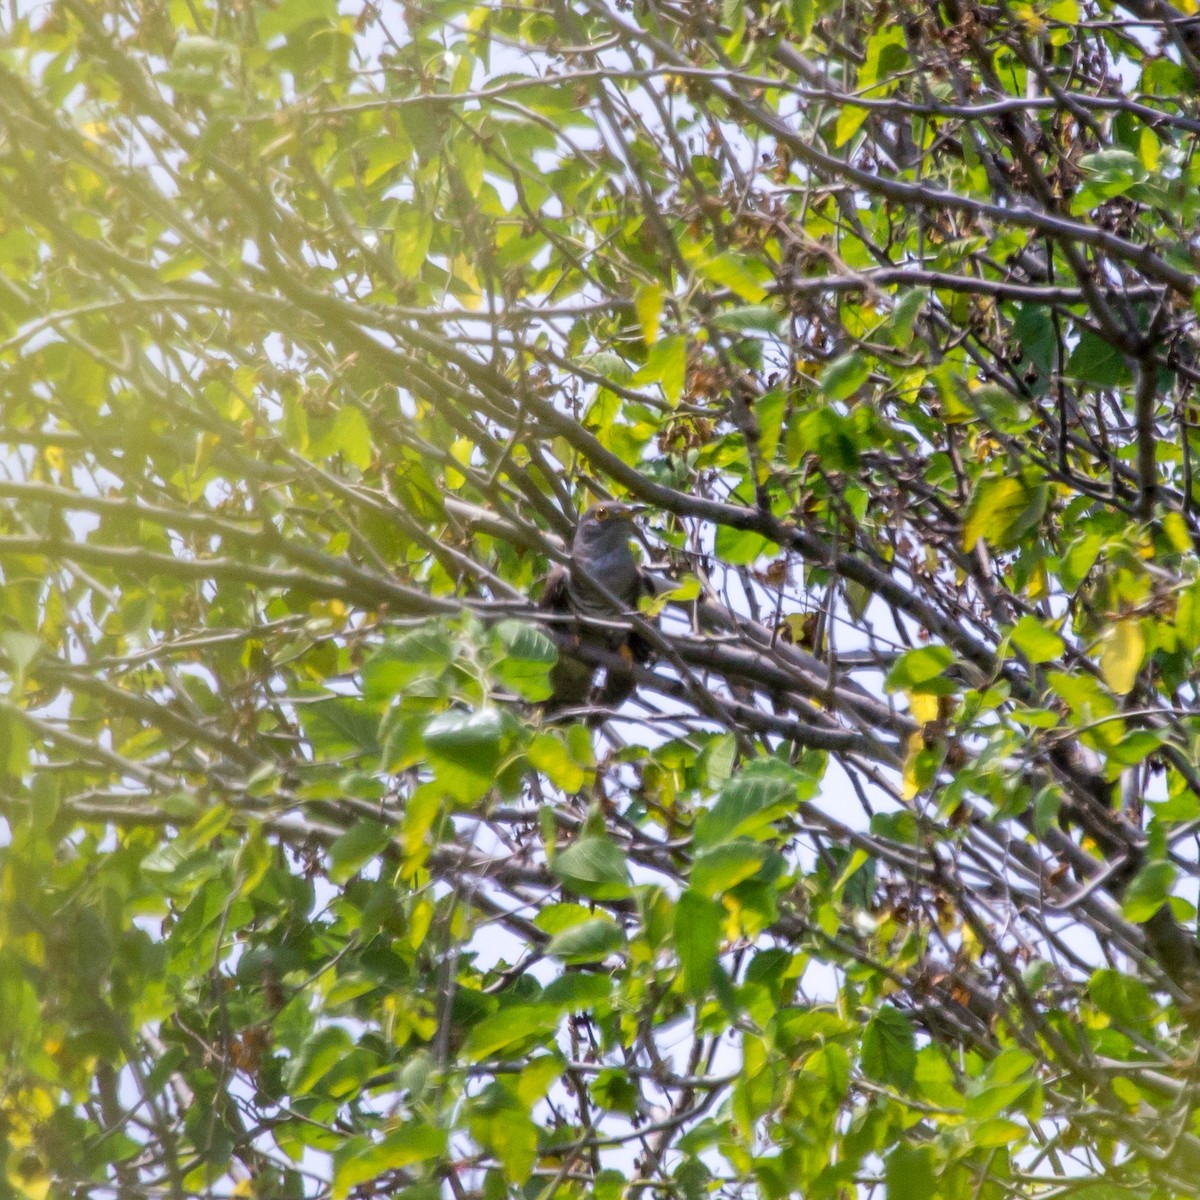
x=600, y=548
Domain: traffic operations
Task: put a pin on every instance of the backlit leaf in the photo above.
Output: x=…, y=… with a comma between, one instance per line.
x=1121, y=652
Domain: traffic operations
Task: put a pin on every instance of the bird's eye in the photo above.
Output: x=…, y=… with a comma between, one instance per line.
x=602, y=514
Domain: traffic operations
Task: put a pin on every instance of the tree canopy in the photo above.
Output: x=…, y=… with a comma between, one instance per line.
x=320, y=322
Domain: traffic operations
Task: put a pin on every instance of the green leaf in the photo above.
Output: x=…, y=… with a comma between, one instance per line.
x=998, y=1131
x=886, y=57
x=1102, y=1191
x=666, y=365
x=750, y=801
x=197, y=51
x=1175, y=530
x=340, y=727
x=578, y=991
x=844, y=376
x=905, y=314
x=358, y=845
x=422, y=653
x=1035, y=641
x=1123, y=997
x=290, y=15
x=1187, y=618
x=471, y=740
x=499, y=1120
x=524, y=658
x=917, y=667
x=1002, y=508
x=889, y=1053
x=21, y=650
x=908, y=1173
x=550, y=754
x=1002, y=410
x=1085, y=696
x=1148, y=891
x=348, y=435
x=468, y=154
x=994, y=1098
x=609, y=366
x=590, y=941
x=1079, y=559
x=413, y=234
x=510, y=1031
x=768, y=411
x=744, y=276
x=828, y=435
x=617, y=1092
x=750, y=318
x=554, y=918
x=1095, y=362
x=718, y=759
x=1033, y=332
x=739, y=547
x=697, y=937
x=358, y=1160
x=594, y=867
x=1113, y=171
x=320, y=1054
x=725, y=866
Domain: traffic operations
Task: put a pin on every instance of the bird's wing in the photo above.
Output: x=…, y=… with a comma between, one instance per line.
x=555, y=597
x=570, y=677
x=647, y=585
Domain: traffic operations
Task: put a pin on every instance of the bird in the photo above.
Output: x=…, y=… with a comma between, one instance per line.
x=600, y=554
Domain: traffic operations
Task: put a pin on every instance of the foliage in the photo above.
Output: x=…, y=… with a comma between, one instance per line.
x=319, y=323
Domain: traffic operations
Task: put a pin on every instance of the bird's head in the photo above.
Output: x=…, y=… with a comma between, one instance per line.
x=606, y=528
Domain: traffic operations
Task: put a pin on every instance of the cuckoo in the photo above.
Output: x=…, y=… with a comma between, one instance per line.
x=600, y=554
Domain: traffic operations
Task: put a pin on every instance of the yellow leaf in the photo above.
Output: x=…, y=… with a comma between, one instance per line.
x=413, y=234
x=1175, y=527
x=666, y=364
x=1039, y=584
x=688, y=589
x=1121, y=652
x=1001, y=509
x=1030, y=18
x=910, y=785
x=743, y=275
x=461, y=450
x=849, y=122
x=206, y=443
x=30, y=1179
x=466, y=283
x=922, y=707
x=1148, y=149
x=648, y=303
x=537, y=1076
x=419, y=921
x=1066, y=11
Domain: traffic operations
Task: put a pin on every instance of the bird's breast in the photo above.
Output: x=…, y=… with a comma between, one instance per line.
x=617, y=572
